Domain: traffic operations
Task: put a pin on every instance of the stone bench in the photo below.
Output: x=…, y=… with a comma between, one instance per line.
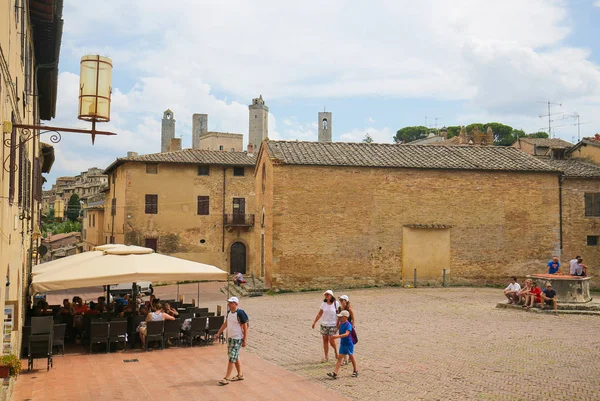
x=569, y=289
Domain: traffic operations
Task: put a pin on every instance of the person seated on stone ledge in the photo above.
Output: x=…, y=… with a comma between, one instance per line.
x=549, y=297
x=524, y=292
x=534, y=296
x=512, y=290
x=239, y=279
x=580, y=269
x=554, y=266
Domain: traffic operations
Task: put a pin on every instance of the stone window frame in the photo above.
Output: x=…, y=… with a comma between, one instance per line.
x=592, y=204
x=239, y=171
x=203, y=205
x=151, y=168
x=593, y=240
x=204, y=169
x=151, y=204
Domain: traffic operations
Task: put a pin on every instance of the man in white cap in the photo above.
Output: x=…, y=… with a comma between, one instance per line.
x=236, y=324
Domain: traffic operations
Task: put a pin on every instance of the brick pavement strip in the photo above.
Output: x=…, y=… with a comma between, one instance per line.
x=417, y=344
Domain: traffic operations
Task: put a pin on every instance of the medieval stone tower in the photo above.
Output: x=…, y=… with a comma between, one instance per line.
x=199, y=127
x=325, y=126
x=167, y=131
x=259, y=123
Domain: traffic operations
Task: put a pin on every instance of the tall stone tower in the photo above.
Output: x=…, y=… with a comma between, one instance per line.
x=325, y=126
x=259, y=123
x=167, y=131
x=199, y=127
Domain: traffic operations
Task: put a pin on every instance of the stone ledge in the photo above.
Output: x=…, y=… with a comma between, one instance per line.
x=564, y=309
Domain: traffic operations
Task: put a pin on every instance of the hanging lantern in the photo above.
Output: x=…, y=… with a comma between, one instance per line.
x=95, y=88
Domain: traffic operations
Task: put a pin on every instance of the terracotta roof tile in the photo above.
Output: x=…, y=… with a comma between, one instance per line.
x=554, y=143
x=575, y=168
x=467, y=157
x=191, y=156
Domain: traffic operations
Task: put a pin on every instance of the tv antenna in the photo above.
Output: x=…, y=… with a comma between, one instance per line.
x=549, y=115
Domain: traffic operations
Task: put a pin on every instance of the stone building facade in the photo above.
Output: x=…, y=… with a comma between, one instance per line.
x=376, y=212
x=30, y=41
x=325, y=126
x=548, y=148
x=194, y=204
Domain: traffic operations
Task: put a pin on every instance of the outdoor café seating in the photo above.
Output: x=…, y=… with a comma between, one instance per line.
x=41, y=337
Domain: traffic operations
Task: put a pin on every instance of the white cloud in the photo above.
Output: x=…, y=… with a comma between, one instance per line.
x=597, y=3
x=384, y=135
x=187, y=56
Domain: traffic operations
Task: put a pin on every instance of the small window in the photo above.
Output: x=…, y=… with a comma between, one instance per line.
x=203, y=205
x=151, y=204
x=220, y=147
x=592, y=240
x=592, y=204
x=94, y=220
x=238, y=171
x=203, y=170
x=113, y=207
x=151, y=168
x=233, y=149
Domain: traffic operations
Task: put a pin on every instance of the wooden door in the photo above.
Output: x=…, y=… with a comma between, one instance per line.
x=237, y=258
x=239, y=210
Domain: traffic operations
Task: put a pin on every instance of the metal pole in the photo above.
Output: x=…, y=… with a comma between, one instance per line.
x=108, y=294
x=198, y=298
x=177, y=297
x=415, y=280
x=444, y=278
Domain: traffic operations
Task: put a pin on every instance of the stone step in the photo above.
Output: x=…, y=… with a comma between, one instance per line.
x=253, y=287
x=565, y=309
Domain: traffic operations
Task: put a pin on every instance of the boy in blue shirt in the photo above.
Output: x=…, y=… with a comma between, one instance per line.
x=346, y=345
x=554, y=266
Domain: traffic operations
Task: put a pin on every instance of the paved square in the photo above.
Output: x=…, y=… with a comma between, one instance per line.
x=414, y=344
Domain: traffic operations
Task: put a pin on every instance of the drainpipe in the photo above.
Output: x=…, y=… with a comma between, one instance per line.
x=223, y=240
x=560, y=211
x=114, y=192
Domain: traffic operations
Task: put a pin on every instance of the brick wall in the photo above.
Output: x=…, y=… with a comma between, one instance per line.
x=577, y=226
x=341, y=226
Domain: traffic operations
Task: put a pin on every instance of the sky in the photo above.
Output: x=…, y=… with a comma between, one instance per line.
x=377, y=66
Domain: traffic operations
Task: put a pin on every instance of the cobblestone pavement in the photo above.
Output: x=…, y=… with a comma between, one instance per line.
x=428, y=344
x=436, y=344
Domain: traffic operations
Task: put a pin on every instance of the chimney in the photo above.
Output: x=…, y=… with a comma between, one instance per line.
x=250, y=148
x=199, y=128
x=175, y=144
x=132, y=154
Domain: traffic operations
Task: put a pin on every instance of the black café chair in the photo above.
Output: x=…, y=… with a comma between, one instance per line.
x=117, y=332
x=25, y=342
x=214, y=324
x=59, y=337
x=40, y=340
x=197, y=329
x=98, y=333
x=199, y=312
x=172, y=330
x=133, y=323
x=154, y=332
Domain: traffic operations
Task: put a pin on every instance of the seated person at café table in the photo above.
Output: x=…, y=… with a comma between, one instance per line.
x=155, y=316
x=66, y=308
x=554, y=266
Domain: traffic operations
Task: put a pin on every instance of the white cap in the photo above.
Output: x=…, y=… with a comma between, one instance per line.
x=345, y=298
x=344, y=313
x=234, y=299
x=328, y=292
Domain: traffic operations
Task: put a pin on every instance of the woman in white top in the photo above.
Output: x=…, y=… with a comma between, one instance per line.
x=328, y=316
x=155, y=316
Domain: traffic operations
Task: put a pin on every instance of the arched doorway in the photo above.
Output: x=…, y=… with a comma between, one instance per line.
x=237, y=258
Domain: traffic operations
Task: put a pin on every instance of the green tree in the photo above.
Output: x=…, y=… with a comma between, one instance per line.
x=453, y=131
x=367, y=138
x=409, y=134
x=539, y=134
x=73, y=208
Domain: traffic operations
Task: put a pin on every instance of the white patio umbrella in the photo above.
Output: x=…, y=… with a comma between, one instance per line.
x=120, y=264
x=76, y=259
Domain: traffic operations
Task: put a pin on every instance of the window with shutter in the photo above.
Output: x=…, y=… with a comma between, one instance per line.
x=12, y=160
x=151, y=204
x=592, y=204
x=203, y=205
x=113, y=207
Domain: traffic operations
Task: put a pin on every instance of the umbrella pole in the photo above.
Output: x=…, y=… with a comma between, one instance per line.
x=198, y=298
x=108, y=294
x=177, y=298
x=134, y=292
